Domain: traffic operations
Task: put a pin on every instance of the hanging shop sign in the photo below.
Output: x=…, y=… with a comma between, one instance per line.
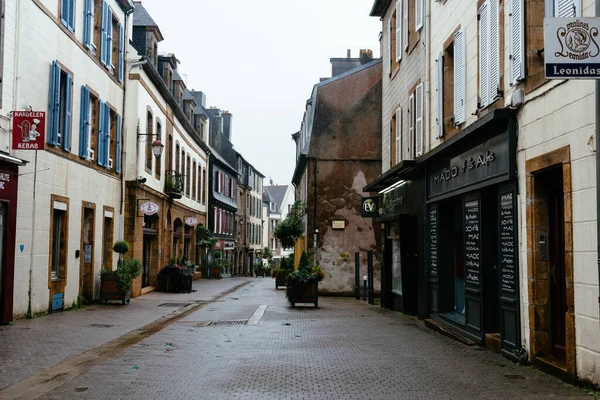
x=571, y=49
x=369, y=208
x=488, y=160
x=28, y=130
x=394, y=201
x=149, y=208
x=191, y=221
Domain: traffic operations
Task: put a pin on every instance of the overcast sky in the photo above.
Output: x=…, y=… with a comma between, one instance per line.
x=259, y=59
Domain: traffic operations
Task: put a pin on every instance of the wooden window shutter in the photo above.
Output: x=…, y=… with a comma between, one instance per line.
x=109, y=36
x=484, y=55
x=419, y=131
x=106, y=137
x=517, y=41
x=54, y=107
x=66, y=134
x=103, y=34
x=460, y=77
x=120, y=63
x=420, y=4
x=71, y=15
x=405, y=24
x=411, y=126
x=398, y=135
x=84, y=123
x=399, y=18
x=101, y=128
x=118, y=146
x=494, y=49
x=440, y=96
x=87, y=23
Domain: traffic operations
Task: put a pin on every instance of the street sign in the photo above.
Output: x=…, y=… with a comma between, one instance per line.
x=571, y=48
x=28, y=130
x=369, y=207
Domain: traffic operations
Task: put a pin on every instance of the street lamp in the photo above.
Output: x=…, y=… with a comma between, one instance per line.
x=157, y=146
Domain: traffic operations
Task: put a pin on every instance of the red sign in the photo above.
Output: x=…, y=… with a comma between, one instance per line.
x=8, y=185
x=29, y=130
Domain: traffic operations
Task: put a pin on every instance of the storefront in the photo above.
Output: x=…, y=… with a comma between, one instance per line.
x=472, y=243
x=9, y=175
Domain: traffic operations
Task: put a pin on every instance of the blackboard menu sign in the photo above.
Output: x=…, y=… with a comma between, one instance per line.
x=433, y=240
x=507, y=242
x=472, y=241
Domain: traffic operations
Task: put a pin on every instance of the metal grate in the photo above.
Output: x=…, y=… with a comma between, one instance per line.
x=230, y=322
x=174, y=305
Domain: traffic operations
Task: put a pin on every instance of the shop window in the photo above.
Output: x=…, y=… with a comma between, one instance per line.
x=149, y=139
x=61, y=100
x=58, y=239
x=158, y=161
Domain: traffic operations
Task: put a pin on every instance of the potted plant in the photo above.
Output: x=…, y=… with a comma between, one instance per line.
x=259, y=270
x=205, y=241
x=292, y=227
x=173, y=186
x=116, y=285
x=282, y=273
x=215, y=266
x=302, y=285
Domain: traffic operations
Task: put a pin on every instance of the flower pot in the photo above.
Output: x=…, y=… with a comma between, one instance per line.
x=110, y=291
x=197, y=275
x=279, y=280
x=214, y=272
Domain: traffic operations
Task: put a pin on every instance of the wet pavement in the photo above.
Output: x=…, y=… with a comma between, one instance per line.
x=249, y=344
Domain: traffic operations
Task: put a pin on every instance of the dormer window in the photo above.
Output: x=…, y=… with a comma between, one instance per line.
x=272, y=206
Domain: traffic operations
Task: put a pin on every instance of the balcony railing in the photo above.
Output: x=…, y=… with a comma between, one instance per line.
x=174, y=184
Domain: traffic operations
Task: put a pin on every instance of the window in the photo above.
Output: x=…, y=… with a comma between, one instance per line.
x=149, y=139
x=184, y=172
x=61, y=100
x=177, y=158
x=106, y=35
x=516, y=17
x=88, y=24
x=104, y=135
x=88, y=125
x=396, y=138
x=67, y=14
x=107, y=239
x=58, y=237
x=188, y=173
x=272, y=206
x=203, y=185
x=460, y=77
x=489, y=52
x=158, y=160
x=395, y=26
x=199, y=183
x=195, y=178
x=111, y=141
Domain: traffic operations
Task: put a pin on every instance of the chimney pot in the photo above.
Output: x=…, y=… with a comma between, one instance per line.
x=349, y=53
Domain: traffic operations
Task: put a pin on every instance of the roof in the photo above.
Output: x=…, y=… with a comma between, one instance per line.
x=277, y=193
x=187, y=95
x=199, y=110
x=142, y=18
x=176, y=76
x=379, y=8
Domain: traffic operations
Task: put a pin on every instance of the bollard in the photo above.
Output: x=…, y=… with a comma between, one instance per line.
x=357, y=276
x=365, y=287
x=370, y=277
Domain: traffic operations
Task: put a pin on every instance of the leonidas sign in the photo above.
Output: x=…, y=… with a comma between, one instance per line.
x=571, y=48
x=28, y=130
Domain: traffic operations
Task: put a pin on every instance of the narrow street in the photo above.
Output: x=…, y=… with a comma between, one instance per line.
x=248, y=344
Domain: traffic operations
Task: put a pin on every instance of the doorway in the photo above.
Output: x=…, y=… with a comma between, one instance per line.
x=3, y=240
x=86, y=284
x=550, y=273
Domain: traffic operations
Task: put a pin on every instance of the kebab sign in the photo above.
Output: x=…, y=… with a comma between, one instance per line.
x=28, y=130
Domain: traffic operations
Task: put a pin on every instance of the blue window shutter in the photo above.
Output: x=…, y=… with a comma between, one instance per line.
x=87, y=23
x=118, y=146
x=103, y=34
x=100, y=152
x=64, y=12
x=54, y=108
x=121, y=45
x=68, y=112
x=84, y=123
x=71, y=15
x=109, y=36
x=106, y=136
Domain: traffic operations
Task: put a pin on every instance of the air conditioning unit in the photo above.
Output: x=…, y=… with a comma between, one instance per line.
x=91, y=154
x=110, y=163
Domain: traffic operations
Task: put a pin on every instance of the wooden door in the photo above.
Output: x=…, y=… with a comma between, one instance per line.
x=86, y=288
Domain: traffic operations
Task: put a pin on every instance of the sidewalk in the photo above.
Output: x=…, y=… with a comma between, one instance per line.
x=31, y=346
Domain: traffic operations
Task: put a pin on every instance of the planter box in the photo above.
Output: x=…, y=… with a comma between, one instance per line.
x=279, y=281
x=214, y=272
x=110, y=291
x=310, y=294
x=197, y=275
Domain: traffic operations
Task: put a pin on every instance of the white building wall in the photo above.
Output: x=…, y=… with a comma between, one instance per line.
x=41, y=41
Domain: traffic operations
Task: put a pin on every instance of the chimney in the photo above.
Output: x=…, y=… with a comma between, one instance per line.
x=227, y=124
x=365, y=56
x=349, y=53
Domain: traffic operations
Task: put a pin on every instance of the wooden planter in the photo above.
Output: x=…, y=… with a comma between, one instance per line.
x=197, y=275
x=310, y=294
x=279, y=281
x=110, y=291
x=214, y=272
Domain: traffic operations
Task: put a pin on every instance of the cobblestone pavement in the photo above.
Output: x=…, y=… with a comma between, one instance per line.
x=31, y=346
x=343, y=350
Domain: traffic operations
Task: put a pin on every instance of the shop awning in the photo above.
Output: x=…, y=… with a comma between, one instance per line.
x=14, y=160
x=405, y=170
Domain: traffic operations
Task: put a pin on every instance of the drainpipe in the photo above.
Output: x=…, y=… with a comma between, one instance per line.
x=598, y=169
x=316, y=230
